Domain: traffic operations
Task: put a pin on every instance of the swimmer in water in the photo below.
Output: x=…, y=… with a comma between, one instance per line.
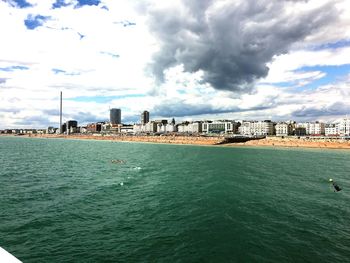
x=336, y=187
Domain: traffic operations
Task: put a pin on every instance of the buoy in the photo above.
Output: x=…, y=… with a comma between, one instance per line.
x=331, y=180
x=121, y=183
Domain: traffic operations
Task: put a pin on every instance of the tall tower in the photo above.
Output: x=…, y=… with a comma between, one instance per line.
x=61, y=113
x=115, y=116
x=144, y=117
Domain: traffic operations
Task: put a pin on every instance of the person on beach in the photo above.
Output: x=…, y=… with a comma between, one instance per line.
x=336, y=187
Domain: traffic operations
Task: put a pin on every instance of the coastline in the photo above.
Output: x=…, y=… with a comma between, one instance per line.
x=292, y=142
x=307, y=142
x=181, y=140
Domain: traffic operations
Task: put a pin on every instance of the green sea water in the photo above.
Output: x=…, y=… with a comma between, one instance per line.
x=65, y=201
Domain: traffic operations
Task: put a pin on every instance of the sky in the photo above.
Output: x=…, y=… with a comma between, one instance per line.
x=187, y=59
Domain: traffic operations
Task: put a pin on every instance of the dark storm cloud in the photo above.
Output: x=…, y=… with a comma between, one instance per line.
x=335, y=109
x=233, y=44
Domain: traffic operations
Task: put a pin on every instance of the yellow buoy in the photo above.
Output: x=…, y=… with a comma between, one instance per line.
x=331, y=180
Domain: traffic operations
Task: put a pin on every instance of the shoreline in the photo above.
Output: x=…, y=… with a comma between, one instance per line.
x=287, y=142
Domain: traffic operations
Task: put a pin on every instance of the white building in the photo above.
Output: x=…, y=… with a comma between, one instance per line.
x=149, y=127
x=256, y=128
x=219, y=127
x=182, y=128
x=127, y=129
x=283, y=129
x=344, y=127
x=189, y=127
x=194, y=127
x=170, y=127
x=331, y=130
x=313, y=128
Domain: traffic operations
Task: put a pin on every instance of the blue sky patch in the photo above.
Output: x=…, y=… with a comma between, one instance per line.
x=334, y=45
x=33, y=22
x=19, y=3
x=59, y=4
x=333, y=74
x=87, y=2
x=13, y=68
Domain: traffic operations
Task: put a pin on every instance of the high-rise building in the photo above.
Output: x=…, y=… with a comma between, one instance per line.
x=115, y=116
x=144, y=117
x=71, y=126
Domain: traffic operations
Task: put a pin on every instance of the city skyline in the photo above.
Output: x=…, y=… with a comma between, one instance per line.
x=280, y=60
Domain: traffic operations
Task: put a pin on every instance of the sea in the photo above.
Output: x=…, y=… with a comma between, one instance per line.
x=66, y=200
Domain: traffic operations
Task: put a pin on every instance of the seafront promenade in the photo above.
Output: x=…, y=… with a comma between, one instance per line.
x=271, y=141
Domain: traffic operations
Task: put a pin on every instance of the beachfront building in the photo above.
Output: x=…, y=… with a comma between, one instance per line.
x=344, y=127
x=331, y=130
x=313, y=128
x=41, y=131
x=149, y=127
x=144, y=117
x=51, y=130
x=256, y=128
x=127, y=129
x=183, y=127
x=219, y=127
x=299, y=131
x=94, y=127
x=115, y=116
x=170, y=127
x=283, y=129
x=189, y=127
x=71, y=126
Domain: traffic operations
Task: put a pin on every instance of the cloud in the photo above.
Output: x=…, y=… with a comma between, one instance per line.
x=335, y=109
x=33, y=22
x=193, y=45
x=113, y=55
x=231, y=42
x=125, y=23
x=13, y=68
x=10, y=110
x=86, y=117
x=178, y=108
x=61, y=71
x=34, y=121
